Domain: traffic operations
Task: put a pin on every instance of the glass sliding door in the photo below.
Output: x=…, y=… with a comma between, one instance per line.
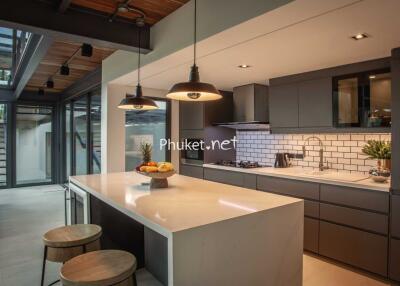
x=33, y=146
x=3, y=145
x=95, y=131
x=80, y=136
x=146, y=127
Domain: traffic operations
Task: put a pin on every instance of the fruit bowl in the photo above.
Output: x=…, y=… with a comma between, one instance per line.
x=158, y=179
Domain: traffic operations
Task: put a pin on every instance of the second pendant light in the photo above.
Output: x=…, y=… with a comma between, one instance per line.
x=194, y=89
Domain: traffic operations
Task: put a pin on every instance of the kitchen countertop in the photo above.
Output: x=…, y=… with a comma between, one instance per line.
x=327, y=177
x=186, y=203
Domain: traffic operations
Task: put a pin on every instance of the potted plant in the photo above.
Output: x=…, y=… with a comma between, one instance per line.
x=380, y=150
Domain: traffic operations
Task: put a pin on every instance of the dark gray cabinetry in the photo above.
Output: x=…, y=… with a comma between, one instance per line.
x=394, y=266
x=311, y=234
x=191, y=171
x=191, y=115
x=369, y=221
x=315, y=103
x=358, y=198
x=362, y=249
x=295, y=188
x=395, y=217
x=284, y=106
x=231, y=178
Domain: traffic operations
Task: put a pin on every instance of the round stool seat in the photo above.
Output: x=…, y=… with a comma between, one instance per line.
x=72, y=235
x=100, y=268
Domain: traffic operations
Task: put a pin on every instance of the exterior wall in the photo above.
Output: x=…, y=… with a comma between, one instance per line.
x=341, y=151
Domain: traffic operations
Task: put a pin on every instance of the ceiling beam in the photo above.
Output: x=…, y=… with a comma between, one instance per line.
x=35, y=52
x=75, y=26
x=64, y=5
x=83, y=85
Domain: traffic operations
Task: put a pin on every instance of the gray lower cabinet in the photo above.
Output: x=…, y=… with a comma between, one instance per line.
x=369, y=221
x=231, y=178
x=284, y=106
x=295, y=188
x=311, y=234
x=395, y=216
x=354, y=197
x=191, y=171
x=394, y=266
x=315, y=103
x=355, y=247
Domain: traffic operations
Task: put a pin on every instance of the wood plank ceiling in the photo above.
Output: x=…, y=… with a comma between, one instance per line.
x=79, y=66
x=155, y=10
x=57, y=55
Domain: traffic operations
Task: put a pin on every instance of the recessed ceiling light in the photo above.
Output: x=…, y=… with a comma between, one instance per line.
x=372, y=76
x=244, y=66
x=359, y=36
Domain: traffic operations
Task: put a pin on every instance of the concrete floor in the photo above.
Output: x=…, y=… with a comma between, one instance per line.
x=27, y=213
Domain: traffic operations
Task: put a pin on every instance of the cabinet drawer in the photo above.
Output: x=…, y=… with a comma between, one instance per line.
x=300, y=189
x=191, y=171
x=311, y=208
x=356, y=218
x=359, y=198
x=231, y=178
x=394, y=266
x=395, y=216
x=311, y=232
x=355, y=247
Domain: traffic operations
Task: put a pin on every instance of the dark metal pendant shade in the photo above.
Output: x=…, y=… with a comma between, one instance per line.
x=137, y=102
x=194, y=90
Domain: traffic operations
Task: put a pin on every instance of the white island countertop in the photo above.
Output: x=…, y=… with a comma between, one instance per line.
x=198, y=232
x=186, y=203
x=330, y=177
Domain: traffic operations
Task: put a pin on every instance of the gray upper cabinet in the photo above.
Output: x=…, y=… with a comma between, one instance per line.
x=284, y=106
x=315, y=103
x=191, y=115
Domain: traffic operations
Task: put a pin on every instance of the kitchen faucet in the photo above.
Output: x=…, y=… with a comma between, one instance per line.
x=321, y=152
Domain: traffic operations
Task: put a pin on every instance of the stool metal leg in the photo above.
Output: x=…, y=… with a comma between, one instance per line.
x=43, y=265
x=134, y=279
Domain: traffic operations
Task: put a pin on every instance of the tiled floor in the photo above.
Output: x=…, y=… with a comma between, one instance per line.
x=26, y=213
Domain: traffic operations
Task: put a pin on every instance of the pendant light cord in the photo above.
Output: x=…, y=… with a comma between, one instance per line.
x=195, y=30
x=139, y=33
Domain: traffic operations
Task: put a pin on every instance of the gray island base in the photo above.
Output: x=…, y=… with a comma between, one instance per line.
x=198, y=232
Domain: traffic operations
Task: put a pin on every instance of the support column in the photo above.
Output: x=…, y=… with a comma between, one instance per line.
x=112, y=129
x=395, y=73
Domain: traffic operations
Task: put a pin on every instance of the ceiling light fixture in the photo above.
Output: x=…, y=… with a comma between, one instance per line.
x=359, y=36
x=372, y=76
x=64, y=70
x=138, y=102
x=194, y=90
x=86, y=50
x=244, y=66
x=50, y=83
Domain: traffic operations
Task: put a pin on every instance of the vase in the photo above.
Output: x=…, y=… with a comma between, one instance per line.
x=384, y=164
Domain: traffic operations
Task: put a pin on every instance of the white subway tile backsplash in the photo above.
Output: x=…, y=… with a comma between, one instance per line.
x=341, y=151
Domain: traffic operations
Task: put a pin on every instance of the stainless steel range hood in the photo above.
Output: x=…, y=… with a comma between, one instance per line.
x=250, y=108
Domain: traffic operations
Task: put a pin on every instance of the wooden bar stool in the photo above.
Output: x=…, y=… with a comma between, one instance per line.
x=64, y=243
x=100, y=268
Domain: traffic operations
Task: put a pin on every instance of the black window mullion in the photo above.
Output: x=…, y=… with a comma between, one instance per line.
x=72, y=138
x=89, y=141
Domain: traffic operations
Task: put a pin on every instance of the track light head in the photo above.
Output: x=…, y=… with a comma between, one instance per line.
x=86, y=50
x=64, y=70
x=50, y=83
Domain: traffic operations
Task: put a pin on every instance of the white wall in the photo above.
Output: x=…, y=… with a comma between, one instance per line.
x=113, y=126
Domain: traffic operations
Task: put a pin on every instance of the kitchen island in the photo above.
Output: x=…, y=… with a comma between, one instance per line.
x=211, y=233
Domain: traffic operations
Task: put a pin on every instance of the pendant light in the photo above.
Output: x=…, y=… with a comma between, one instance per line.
x=194, y=90
x=137, y=101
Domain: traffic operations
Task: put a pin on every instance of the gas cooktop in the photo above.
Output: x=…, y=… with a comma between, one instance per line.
x=240, y=164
